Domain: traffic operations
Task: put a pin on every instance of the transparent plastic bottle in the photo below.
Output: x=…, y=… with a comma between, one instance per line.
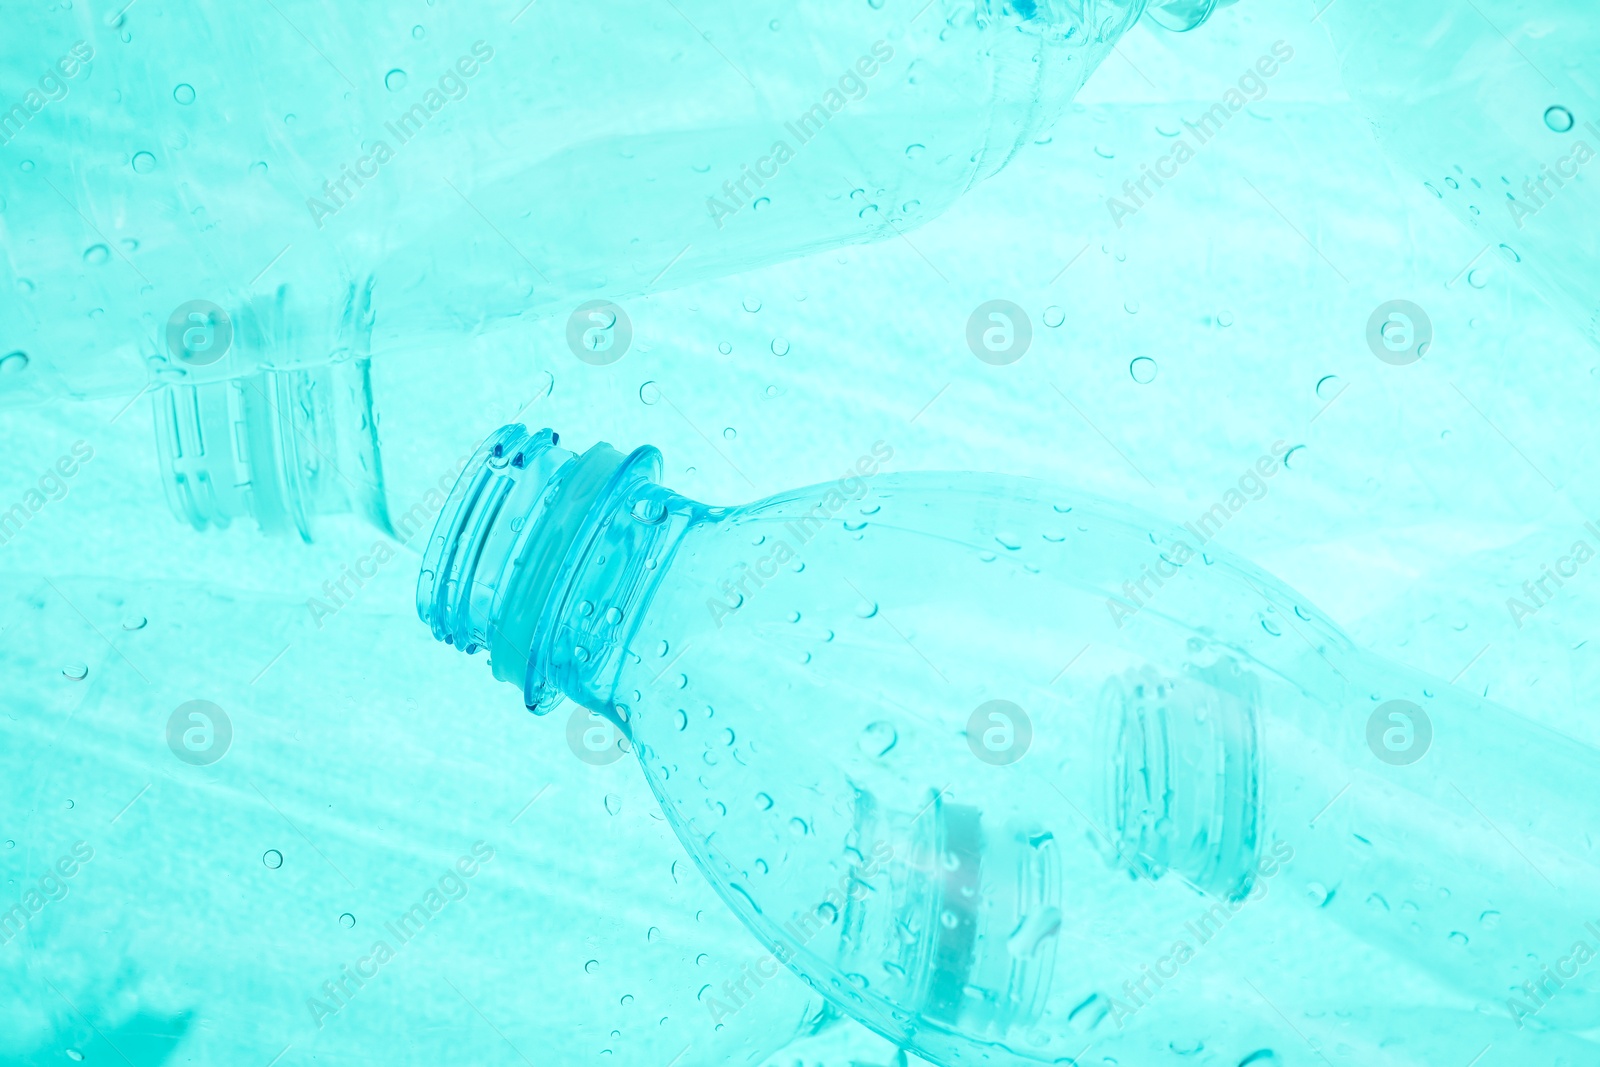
x=1015, y=775
x=1495, y=105
x=382, y=441
x=463, y=166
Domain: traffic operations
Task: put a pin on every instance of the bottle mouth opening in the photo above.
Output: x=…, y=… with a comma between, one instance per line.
x=278, y=446
x=497, y=561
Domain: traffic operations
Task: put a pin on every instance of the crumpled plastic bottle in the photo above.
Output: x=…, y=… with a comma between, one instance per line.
x=168, y=172
x=1015, y=775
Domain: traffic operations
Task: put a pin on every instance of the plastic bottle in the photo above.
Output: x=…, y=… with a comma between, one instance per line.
x=166, y=172
x=1015, y=775
x=1496, y=107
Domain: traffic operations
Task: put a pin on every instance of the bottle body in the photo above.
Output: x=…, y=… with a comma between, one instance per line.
x=1498, y=114
x=924, y=741
x=466, y=169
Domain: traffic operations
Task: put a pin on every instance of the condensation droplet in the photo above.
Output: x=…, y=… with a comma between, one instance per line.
x=1559, y=119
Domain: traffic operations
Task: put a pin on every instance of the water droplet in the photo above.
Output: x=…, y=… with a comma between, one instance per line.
x=799, y=827
x=1319, y=894
x=1458, y=938
x=1224, y=319
x=1490, y=919
x=780, y=347
x=591, y=966
x=13, y=362
x=347, y=920
x=143, y=162
x=649, y=511
x=1328, y=386
x=649, y=393
x=1288, y=457
x=74, y=1055
x=183, y=93
x=761, y=202
x=1054, y=316
x=76, y=671
x=95, y=255
x=912, y=150
x=1558, y=119
x=1262, y=1057
x=725, y=348
x=752, y=305
x=729, y=433
x=866, y=609
x=418, y=32
x=878, y=739
x=1008, y=540
x=774, y=391
x=272, y=858
x=1477, y=277
x=395, y=80
x=1131, y=306
x=613, y=804
x=1103, y=152
x=1143, y=370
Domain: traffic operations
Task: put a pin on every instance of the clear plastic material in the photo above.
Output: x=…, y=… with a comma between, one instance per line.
x=1495, y=105
x=463, y=167
x=1015, y=775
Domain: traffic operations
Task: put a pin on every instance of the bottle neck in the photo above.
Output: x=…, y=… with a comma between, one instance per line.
x=276, y=421
x=548, y=559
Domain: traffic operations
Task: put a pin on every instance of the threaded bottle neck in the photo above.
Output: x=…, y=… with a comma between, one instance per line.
x=510, y=558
